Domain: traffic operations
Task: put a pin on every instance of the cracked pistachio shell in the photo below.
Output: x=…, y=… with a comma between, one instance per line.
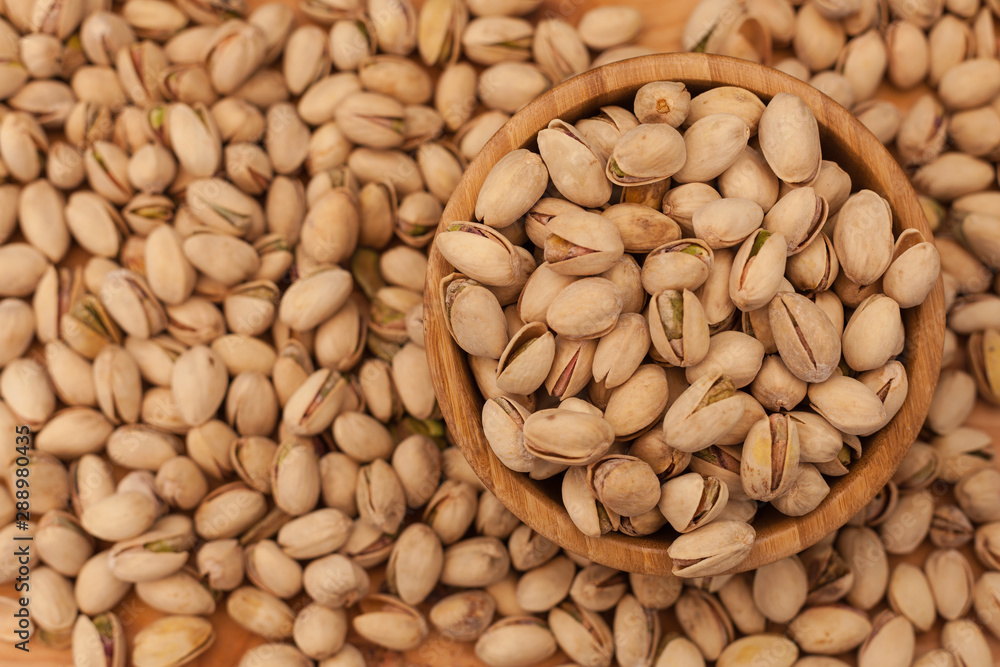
x=117, y=384
x=559, y=50
x=220, y=562
x=684, y=264
x=572, y=367
x=625, y=485
x=770, y=457
x=912, y=273
x=711, y=549
x=724, y=463
x=982, y=358
x=481, y=253
x=153, y=555
x=582, y=634
x=705, y=621
x=799, y=216
x=573, y=165
x=172, y=641
x=223, y=208
x=181, y=483
x=440, y=27
x=712, y=145
x=805, y=493
x=727, y=222
x=863, y=351
x=691, y=501
x=806, y=339
x=815, y=268
x=526, y=360
x=758, y=270
x=562, y=436
x=312, y=407
x=890, y=384
x=848, y=405
x=702, y=413
x=503, y=423
x=738, y=355
x=753, y=412
x=99, y=641
x=581, y=243
x=923, y=132
x=678, y=329
x=380, y=497
x=987, y=601
x=950, y=527
x=195, y=139
x=451, y=510
x=494, y=39
x=587, y=513
x=620, y=351
x=646, y=154
x=818, y=440
x=787, y=122
x=474, y=317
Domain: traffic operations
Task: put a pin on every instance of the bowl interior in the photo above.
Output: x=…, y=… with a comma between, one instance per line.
x=845, y=141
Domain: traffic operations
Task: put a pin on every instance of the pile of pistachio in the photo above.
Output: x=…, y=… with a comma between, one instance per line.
x=225, y=419
x=695, y=248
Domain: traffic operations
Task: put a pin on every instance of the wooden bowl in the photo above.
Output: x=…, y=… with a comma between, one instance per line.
x=846, y=141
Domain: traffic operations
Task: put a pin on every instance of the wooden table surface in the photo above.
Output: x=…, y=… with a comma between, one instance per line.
x=663, y=22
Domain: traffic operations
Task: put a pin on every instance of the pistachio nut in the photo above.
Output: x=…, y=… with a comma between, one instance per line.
x=711, y=549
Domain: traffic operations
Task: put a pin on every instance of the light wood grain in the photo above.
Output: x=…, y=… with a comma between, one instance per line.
x=663, y=22
x=845, y=141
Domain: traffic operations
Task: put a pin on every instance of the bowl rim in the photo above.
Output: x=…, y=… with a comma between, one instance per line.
x=461, y=403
